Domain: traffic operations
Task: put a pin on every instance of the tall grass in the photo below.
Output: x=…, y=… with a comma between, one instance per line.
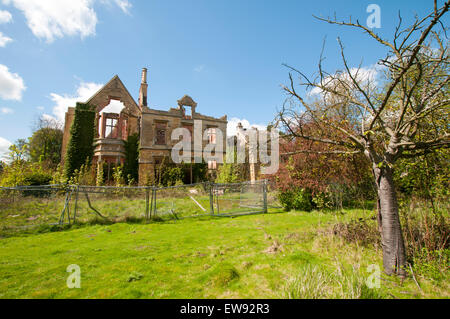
x=426, y=231
x=315, y=282
x=427, y=238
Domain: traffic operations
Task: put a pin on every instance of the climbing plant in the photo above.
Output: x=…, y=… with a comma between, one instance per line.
x=131, y=166
x=80, y=148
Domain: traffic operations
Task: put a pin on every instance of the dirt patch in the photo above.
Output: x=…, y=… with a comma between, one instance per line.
x=276, y=247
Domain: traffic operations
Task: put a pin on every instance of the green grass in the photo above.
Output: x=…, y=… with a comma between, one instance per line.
x=285, y=255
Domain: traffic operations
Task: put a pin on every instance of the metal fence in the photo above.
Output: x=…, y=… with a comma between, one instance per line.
x=30, y=206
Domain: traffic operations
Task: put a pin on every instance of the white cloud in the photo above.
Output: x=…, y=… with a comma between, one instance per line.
x=51, y=19
x=114, y=106
x=365, y=76
x=4, y=148
x=233, y=123
x=125, y=5
x=84, y=91
x=5, y=16
x=4, y=40
x=6, y=110
x=11, y=84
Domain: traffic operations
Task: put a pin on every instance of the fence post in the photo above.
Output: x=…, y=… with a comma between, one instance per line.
x=154, y=201
x=265, y=196
x=76, y=205
x=211, y=198
x=66, y=203
x=147, y=211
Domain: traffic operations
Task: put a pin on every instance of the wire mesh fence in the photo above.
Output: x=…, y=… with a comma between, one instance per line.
x=26, y=207
x=32, y=206
x=240, y=198
x=273, y=200
x=182, y=201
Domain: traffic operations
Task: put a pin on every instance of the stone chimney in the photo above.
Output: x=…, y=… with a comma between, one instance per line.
x=143, y=89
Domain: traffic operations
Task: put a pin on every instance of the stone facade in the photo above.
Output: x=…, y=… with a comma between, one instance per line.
x=155, y=127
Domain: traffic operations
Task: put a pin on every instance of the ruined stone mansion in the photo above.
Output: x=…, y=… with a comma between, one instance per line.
x=153, y=126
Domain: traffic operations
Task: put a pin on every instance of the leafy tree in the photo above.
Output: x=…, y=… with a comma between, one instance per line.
x=19, y=151
x=46, y=142
x=385, y=121
x=80, y=148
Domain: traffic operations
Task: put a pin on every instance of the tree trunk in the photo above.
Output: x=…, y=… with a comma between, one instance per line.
x=394, y=255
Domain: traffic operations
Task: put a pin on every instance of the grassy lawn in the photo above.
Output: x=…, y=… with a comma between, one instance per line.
x=261, y=256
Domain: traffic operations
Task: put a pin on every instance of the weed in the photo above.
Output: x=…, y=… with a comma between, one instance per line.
x=135, y=276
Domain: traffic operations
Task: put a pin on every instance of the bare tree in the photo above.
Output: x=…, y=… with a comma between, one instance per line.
x=405, y=115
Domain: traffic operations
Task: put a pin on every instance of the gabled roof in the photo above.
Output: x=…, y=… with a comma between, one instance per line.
x=113, y=89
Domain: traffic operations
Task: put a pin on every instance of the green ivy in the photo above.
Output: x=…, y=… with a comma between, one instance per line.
x=131, y=166
x=80, y=148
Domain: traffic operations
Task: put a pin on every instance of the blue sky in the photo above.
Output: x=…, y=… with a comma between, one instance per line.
x=227, y=55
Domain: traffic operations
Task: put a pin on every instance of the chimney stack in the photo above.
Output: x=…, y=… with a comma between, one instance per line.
x=143, y=89
x=144, y=76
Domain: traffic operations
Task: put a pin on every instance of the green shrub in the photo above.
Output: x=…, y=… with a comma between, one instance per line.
x=58, y=176
x=298, y=199
x=38, y=178
x=118, y=177
x=227, y=174
x=25, y=174
x=172, y=176
x=100, y=178
x=83, y=176
x=322, y=201
x=199, y=172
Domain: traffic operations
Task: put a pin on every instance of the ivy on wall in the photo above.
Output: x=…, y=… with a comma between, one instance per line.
x=131, y=166
x=80, y=148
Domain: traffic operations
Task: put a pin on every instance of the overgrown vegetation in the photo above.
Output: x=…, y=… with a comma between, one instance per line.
x=80, y=148
x=298, y=199
x=427, y=237
x=131, y=166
